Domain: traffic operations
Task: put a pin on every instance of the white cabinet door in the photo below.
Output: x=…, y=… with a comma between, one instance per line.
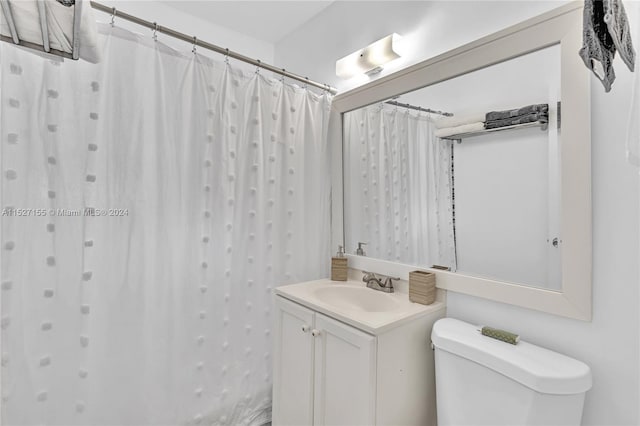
x=344, y=385
x=293, y=364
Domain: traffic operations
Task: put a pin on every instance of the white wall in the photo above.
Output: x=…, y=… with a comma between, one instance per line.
x=609, y=344
x=428, y=28
x=156, y=11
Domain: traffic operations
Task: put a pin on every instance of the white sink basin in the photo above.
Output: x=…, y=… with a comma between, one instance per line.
x=353, y=303
x=357, y=298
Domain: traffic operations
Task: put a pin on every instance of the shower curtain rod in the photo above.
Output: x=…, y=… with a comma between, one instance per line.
x=115, y=13
x=418, y=108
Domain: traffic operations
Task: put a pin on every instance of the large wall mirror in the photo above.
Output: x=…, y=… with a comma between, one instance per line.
x=476, y=165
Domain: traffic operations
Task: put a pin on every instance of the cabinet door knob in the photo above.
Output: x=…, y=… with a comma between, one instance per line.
x=315, y=333
x=305, y=328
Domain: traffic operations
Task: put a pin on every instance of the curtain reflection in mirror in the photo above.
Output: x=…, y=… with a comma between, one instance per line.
x=398, y=187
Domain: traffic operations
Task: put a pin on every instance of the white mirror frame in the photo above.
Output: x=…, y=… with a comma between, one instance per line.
x=560, y=26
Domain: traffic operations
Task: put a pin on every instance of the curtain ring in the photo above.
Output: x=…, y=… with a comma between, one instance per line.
x=282, y=75
x=195, y=42
x=305, y=86
x=258, y=66
x=226, y=56
x=113, y=16
x=155, y=31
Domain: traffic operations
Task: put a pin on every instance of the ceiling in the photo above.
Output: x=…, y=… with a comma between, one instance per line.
x=265, y=20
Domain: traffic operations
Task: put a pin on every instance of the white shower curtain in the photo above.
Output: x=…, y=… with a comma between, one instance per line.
x=210, y=187
x=398, y=193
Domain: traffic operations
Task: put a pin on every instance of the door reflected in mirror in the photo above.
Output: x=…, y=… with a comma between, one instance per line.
x=477, y=192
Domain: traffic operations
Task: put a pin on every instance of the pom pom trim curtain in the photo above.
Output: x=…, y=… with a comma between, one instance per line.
x=154, y=200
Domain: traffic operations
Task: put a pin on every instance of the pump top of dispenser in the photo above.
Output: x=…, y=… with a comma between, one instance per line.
x=360, y=250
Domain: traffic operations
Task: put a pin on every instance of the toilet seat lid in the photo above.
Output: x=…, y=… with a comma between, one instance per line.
x=540, y=369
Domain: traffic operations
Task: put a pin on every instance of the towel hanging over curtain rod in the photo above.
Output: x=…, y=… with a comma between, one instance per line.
x=80, y=41
x=199, y=43
x=59, y=27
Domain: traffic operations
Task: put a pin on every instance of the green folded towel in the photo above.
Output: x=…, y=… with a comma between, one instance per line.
x=502, y=335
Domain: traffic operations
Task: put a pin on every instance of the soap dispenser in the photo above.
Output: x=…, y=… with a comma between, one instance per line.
x=339, y=269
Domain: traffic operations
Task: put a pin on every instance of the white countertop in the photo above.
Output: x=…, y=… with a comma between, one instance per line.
x=375, y=323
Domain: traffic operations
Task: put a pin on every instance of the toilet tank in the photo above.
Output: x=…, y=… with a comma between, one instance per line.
x=483, y=381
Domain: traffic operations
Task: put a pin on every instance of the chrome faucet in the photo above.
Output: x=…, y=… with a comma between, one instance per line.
x=379, y=282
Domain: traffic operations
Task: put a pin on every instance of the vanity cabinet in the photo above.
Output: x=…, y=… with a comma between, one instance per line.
x=324, y=370
x=327, y=372
x=293, y=368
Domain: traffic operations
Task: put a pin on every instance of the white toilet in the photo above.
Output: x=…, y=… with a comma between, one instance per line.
x=483, y=381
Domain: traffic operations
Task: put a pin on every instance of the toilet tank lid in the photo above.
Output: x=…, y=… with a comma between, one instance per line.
x=537, y=368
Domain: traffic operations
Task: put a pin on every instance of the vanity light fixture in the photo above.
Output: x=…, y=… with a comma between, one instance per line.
x=370, y=59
